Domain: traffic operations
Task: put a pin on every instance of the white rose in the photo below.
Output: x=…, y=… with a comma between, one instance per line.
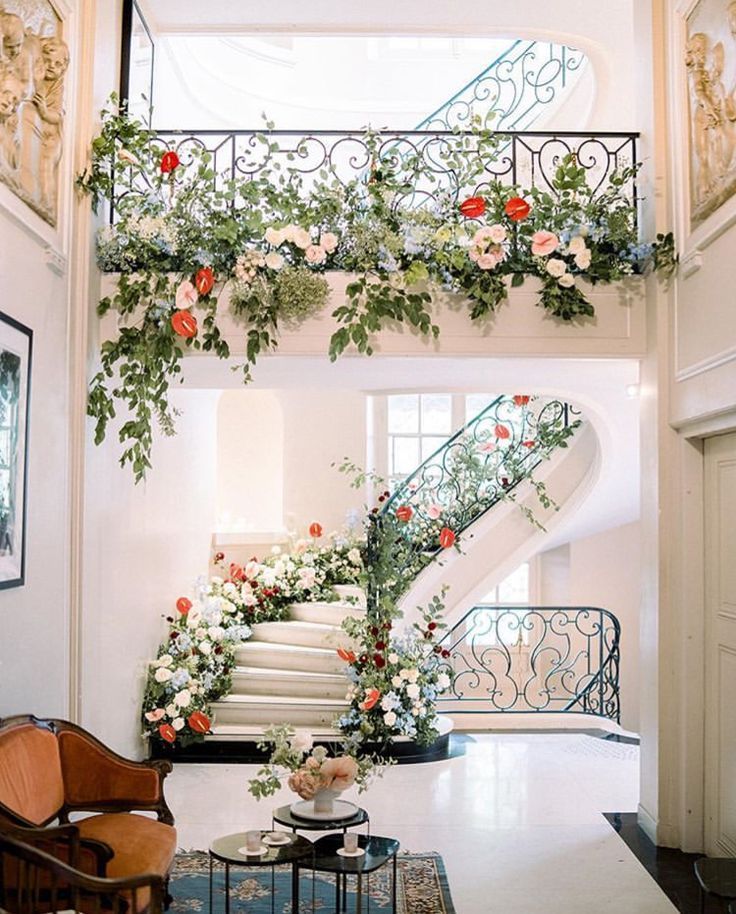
x=162, y=674
x=183, y=699
x=354, y=556
x=393, y=658
x=279, y=568
x=171, y=710
x=582, y=260
x=165, y=660
x=413, y=675
x=301, y=741
x=315, y=254
x=229, y=588
x=577, y=245
x=177, y=723
x=194, y=617
x=556, y=267
x=443, y=681
x=397, y=682
x=566, y=281
x=215, y=580
x=389, y=718
x=302, y=239
x=274, y=261
x=405, y=674
x=275, y=236
x=497, y=233
x=412, y=690
x=205, y=648
x=201, y=633
x=328, y=241
x=216, y=633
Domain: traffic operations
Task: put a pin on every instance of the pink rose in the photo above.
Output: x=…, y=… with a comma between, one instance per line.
x=339, y=773
x=488, y=447
x=488, y=261
x=153, y=716
x=328, y=241
x=474, y=253
x=186, y=295
x=543, y=243
x=315, y=254
x=434, y=511
x=483, y=237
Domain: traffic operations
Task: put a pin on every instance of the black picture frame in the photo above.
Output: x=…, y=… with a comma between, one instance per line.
x=16, y=357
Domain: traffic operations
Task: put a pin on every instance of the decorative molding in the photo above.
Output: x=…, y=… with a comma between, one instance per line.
x=714, y=361
x=55, y=260
x=718, y=422
x=691, y=263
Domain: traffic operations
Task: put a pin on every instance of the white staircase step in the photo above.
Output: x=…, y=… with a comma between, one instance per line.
x=301, y=634
x=266, y=709
x=325, y=613
x=266, y=655
x=351, y=594
x=253, y=733
x=263, y=681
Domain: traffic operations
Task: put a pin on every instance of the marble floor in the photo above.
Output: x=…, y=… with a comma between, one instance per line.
x=518, y=818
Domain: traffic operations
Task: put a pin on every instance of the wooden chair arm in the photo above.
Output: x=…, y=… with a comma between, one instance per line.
x=65, y=844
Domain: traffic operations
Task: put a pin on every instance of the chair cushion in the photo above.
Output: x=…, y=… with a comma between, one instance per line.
x=31, y=784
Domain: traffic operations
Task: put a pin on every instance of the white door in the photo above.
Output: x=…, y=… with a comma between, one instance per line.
x=720, y=646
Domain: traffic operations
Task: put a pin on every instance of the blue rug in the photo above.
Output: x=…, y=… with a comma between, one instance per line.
x=422, y=888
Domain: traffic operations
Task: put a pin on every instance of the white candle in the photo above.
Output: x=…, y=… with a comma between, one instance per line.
x=350, y=842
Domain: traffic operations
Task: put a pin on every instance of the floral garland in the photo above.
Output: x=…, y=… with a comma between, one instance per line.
x=180, y=238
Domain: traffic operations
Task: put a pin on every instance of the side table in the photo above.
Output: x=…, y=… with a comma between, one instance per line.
x=284, y=816
x=378, y=852
x=227, y=851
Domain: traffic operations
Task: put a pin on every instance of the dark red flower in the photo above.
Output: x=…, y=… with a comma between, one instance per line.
x=199, y=722
x=374, y=630
x=169, y=162
x=437, y=649
x=167, y=732
x=473, y=207
x=204, y=280
x=447, y=538
x=173, y=635
x=380, y=645
x=219, y=557
x=445, y=653
x=184, y=324
x=404, y=513
x=517, y=209
x=379, y=661
x=386, y=626
x=432, y=626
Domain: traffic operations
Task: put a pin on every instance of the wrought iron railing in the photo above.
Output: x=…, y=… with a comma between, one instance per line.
x=533, y=659
x=476, y=468
x=516, y=88
x=424, y=158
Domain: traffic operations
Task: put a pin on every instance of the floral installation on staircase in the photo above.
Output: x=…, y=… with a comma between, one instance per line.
x=194, y=664
x=182, y=235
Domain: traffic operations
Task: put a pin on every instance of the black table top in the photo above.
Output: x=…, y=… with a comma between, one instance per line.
x=717, y=875
x=377, y=852
x=226, y=850
x=284, y=816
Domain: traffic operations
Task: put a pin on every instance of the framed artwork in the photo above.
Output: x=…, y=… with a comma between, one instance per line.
x=16, y=343
x=34, y=59
x=710, y=63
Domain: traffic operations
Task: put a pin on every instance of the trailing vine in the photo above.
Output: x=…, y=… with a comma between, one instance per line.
x=183, y=234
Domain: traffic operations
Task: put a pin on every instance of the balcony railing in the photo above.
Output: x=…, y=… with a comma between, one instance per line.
x=423, y=158
x=534, y=659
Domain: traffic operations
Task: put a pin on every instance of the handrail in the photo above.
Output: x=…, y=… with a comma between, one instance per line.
x=534, y=659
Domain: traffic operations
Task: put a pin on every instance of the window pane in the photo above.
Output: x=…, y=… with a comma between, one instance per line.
x=403, y=413
x=430, y=445
x=436, y=414
x=405, y=456
x=476, y=403
x=515, y=589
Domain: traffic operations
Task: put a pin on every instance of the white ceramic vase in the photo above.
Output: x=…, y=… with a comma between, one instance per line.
x=324, y=801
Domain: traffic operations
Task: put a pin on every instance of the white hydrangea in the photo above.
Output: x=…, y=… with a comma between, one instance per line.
x=183, y=698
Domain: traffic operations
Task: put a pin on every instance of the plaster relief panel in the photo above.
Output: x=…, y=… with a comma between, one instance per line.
x=34, y=59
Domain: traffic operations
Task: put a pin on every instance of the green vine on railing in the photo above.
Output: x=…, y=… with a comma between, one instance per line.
x=183, y=234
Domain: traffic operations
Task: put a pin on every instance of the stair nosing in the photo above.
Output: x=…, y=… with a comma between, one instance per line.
x=264, y=670
x=280, y=645
x=236, y=698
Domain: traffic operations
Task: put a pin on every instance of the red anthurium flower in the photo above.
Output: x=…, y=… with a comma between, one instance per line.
x=502, y=432
x=170, y=161
x=447, y=538
x=528, y=443
x=183, y=605
x=473, y=207
x=517, y=209
x=167, y=732
x=347, y=656
x=371, y=699
x=315, y=530
x=404, y=512
x=204, y=280
x=236, y=572
x=521, y=399
x=184, y=323
x=199, y=722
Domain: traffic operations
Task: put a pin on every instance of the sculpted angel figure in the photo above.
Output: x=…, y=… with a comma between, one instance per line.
x=11, y=93
x=49, y=99
x=19, y=51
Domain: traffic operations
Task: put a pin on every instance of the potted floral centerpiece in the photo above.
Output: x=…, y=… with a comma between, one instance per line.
x=311, y=772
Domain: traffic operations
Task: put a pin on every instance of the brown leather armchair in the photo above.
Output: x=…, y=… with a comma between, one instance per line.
x=51, y=768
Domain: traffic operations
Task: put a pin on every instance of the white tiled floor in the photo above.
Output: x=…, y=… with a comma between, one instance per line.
x=517, y=820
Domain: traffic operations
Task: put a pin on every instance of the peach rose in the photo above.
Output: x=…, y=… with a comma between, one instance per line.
x=328, y=241
x=339, y=773
x=305, y=784
x=315, y=254
x=543, y=243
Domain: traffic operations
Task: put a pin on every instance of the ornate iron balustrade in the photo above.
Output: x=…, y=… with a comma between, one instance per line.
x=423, y=158
x=534, y=659
x=471, y=472
x=516, y=88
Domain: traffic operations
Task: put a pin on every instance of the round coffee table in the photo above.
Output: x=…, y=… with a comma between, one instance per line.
x=226, y=850
x=378, y=852
x=284, y=816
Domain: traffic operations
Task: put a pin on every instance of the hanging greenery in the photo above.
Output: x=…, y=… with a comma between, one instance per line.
x=182, y=234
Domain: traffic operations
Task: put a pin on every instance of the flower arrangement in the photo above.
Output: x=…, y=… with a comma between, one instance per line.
x=194, y=663
x=395, y=680
x=181, y=236
x=309, y=769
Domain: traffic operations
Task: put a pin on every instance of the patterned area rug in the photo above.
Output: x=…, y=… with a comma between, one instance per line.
x=422, y=888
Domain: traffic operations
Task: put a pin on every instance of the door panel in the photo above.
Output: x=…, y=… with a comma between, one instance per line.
x=720, y=633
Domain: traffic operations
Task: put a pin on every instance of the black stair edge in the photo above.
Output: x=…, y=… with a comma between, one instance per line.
x=229, y=751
